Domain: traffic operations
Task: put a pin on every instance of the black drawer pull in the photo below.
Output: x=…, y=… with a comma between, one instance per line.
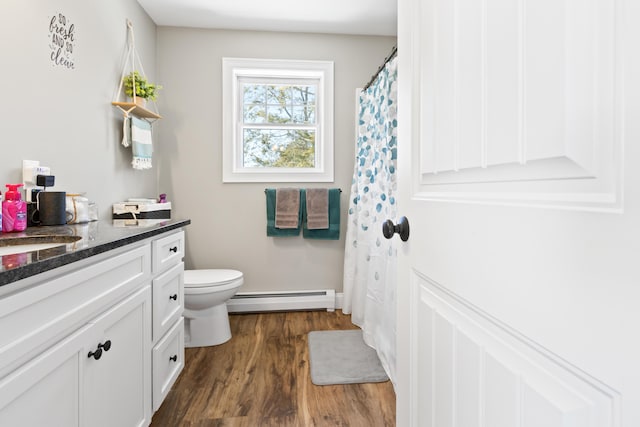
x=174, y=249
x=174, y=358
x=174, y=297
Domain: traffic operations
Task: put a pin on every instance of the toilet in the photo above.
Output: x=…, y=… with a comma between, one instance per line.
x=206, y=293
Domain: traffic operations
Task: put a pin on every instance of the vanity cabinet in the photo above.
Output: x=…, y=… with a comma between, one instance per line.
x=99, y=344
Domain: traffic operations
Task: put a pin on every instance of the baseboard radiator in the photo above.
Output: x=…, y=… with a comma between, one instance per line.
x=256, y=302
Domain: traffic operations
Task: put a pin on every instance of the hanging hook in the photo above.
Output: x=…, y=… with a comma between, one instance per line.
x=131, y=39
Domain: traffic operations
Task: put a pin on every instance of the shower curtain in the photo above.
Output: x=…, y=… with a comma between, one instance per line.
x=370, y=259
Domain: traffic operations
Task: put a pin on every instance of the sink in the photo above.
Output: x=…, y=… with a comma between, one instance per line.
x=16, y=245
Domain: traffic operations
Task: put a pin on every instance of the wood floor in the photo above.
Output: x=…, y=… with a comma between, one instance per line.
x=261, y=378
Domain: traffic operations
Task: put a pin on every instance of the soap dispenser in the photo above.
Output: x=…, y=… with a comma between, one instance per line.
x=14, y=210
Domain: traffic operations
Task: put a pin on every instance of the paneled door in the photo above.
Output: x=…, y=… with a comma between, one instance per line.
x=519, y=173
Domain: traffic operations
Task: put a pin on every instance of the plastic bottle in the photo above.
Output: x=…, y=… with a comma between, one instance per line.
x=0, y=211
x=14, y=210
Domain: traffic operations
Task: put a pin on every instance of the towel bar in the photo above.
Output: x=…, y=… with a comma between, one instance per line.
x=339, y=189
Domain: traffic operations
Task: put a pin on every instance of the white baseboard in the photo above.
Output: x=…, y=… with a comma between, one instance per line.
x=245, y=302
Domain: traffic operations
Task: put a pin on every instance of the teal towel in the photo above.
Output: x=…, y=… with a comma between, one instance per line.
x=271, y=217
x=331, y=233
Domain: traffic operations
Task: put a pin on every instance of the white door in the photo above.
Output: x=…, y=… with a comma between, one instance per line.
x=519, y=172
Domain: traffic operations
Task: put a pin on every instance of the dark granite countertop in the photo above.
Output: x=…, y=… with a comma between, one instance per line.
x=96, y=237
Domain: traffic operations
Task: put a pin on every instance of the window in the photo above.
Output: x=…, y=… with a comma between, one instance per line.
x=277, y=120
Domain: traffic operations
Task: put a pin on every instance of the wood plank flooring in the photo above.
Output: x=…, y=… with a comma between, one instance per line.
x=261, y=378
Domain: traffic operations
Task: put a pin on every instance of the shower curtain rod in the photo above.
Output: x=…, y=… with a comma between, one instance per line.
x=393, y=53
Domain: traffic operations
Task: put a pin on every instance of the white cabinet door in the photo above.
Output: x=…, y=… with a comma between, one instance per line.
x=117, y=369
x=45, y=391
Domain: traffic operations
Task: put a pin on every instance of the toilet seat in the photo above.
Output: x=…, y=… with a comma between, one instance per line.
x=194, y=279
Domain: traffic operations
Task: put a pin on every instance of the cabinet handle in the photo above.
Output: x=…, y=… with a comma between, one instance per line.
x=174, y=358
x=98, y=353
x=174, y=297
x=106, y=346
x=174, y=249
x=95, y=354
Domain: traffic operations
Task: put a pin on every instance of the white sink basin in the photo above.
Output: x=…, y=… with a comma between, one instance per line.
x=19, y=245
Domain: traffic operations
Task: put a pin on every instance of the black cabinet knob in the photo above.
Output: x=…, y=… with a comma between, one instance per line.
x=174, y=249
x=174, y=358
x=402, y=228
x=106, y=346
x=174, y=297
x=95, y=354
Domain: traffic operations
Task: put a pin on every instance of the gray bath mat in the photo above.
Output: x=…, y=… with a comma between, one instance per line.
x=342, y=357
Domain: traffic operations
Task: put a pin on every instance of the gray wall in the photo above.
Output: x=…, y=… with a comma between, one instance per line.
x=64, y=117
x=228, y=220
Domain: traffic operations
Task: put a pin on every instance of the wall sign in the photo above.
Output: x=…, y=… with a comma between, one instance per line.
x=62, y=38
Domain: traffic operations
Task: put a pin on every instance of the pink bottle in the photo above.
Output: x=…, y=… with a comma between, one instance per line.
x=14, y=210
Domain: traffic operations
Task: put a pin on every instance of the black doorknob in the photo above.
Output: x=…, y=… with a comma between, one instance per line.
x=174, y=358
x=402, y=228
x=174, y=297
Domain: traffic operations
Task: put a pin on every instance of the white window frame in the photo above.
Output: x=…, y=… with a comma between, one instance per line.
x=236, y=69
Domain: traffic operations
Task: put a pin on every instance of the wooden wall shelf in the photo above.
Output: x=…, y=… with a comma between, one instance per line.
x=136, y=110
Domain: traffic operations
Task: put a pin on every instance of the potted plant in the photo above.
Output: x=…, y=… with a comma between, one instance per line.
x=143, y=89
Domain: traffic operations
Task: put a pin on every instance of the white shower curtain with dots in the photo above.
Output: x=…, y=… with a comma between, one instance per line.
x=370, y=259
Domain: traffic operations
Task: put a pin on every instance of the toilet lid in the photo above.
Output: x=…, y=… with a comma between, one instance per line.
x=215, y=277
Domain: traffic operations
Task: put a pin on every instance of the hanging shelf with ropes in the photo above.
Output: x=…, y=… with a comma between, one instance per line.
x=133, y=106
x=136, y=110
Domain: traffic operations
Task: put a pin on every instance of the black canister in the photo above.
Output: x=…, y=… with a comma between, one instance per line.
x=51, y=208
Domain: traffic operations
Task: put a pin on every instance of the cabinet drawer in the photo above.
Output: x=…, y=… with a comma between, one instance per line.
x=168, y=300
x=31, y=318
x=167, y=251
x=168, y=361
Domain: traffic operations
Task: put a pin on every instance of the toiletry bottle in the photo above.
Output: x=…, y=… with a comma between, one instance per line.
x=14, y=210
x=0, y=212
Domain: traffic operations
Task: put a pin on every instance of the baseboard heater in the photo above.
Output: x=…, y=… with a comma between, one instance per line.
x=255, y=302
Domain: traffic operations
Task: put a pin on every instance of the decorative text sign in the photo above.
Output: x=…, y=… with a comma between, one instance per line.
x=61, y=41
